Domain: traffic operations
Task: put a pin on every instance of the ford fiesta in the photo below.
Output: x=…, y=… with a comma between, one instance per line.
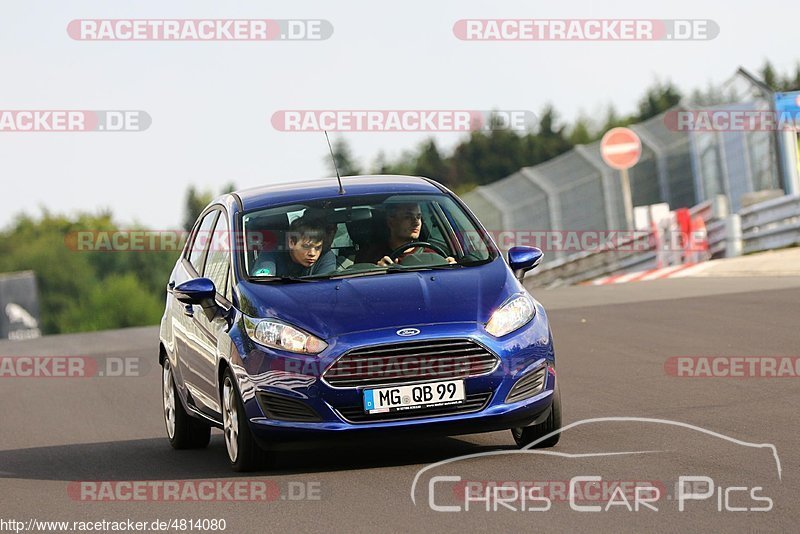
x=308, y=311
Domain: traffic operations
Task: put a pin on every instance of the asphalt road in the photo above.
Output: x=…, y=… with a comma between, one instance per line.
x=612, y=345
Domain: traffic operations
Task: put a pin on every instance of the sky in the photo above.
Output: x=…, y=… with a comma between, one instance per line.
x=211, y=102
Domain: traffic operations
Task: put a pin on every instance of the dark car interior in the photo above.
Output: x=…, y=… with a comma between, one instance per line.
x=349, y=229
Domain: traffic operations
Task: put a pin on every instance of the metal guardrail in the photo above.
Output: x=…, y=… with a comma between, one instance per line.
x=584, y=266
x=768, y=225
x=771, y=224
x=635, y=254
x=717, y=238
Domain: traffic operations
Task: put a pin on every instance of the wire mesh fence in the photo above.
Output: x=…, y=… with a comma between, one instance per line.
x=576, y=191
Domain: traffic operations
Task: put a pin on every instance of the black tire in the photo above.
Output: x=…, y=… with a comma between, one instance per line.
x=187, y=432
x=524, y=436
x=247, y=455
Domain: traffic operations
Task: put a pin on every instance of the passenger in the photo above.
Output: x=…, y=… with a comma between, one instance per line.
x=304, y=256
x=405, y=224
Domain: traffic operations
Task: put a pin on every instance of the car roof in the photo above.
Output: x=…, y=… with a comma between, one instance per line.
x=272, y=195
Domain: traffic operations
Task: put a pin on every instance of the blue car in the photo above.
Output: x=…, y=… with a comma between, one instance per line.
x=304, y=312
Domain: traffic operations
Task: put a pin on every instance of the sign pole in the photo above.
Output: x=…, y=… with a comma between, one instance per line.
x=621, y=148
x=626, y=198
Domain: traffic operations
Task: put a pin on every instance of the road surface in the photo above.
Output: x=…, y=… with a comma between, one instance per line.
x=613, y=347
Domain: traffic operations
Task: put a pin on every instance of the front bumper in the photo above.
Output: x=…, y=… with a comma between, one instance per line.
x=299, y=379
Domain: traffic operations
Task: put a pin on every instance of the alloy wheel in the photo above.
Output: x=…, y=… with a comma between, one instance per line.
x=169, y=400
x=230, y=419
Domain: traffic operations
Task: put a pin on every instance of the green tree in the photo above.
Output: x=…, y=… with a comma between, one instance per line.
x=118, y=302
x=658, y=98
x=710, y=96
x=431, y=164
x=381, y=164
x=485, y=156
x=769, y=76
x=72, y=277
x=405, y=164
x=61, y=275
x=549, y=141
x=345, y=161
x=612, y=119
x=196, y=201
x=794, y=85
x=579, y=134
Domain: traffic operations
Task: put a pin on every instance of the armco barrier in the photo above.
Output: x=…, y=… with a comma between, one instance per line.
x=583, y=266
x=771, y=224
x=768, y=225
x=629, y=256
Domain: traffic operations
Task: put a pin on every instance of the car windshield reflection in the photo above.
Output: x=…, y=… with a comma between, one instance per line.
x=361, y=236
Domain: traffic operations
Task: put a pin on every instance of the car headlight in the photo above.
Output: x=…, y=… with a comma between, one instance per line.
x=514, y=314
x=282, y=336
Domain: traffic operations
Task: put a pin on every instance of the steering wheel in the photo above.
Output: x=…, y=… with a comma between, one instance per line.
x=414, y=244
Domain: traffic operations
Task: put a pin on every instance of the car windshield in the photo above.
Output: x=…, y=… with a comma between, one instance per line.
x=361, y=236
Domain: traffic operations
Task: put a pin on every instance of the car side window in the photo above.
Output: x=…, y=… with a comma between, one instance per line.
x=218, y=260
x=200, y=241
x=432, y=223
x=467, y=235
x=228, y=291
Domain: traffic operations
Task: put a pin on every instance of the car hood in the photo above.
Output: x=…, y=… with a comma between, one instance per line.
x=329, y=308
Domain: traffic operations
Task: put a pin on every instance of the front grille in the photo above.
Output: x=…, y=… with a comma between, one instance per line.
x=527, y=386
x=281, y=408
x=410, y=362
x=473, y=403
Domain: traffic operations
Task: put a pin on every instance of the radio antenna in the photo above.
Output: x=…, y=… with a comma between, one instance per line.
x=333, y=158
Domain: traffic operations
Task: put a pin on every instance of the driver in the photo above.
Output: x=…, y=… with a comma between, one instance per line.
x=405, y=224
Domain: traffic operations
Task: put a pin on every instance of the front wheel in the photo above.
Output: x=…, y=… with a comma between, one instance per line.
x=524, y=436
x=183, y=430
x=244, y=454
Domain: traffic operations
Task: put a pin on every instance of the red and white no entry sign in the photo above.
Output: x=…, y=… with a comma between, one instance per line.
x=620, y=148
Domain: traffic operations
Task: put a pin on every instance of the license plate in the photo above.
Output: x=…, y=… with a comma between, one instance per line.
x=412, y=397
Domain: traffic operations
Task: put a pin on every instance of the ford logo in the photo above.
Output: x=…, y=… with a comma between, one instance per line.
x=407, y=332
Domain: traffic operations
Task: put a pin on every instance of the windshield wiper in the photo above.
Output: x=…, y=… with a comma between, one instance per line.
x=357, y=274
x=396, y=268
x=473, y=263
x=280, y=279
x=411, y=269
x=456, y=265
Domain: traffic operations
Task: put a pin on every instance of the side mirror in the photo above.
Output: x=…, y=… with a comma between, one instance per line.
x=197, y=291
x=523, y=259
